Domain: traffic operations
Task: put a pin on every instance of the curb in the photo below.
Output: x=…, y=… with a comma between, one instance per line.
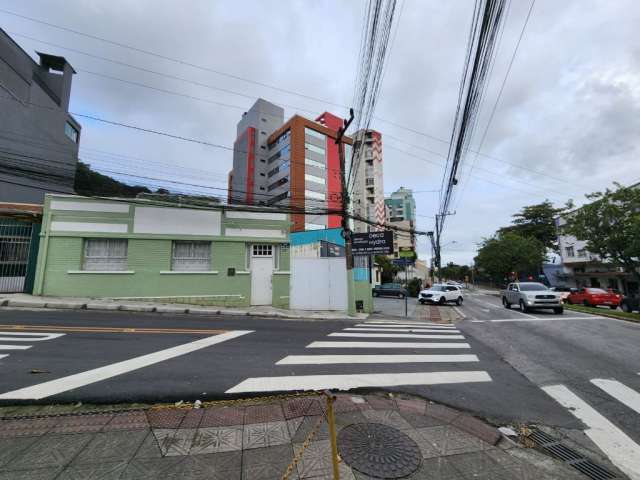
x=43, y=305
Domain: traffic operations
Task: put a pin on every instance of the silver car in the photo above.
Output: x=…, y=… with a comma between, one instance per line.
x=531, y=295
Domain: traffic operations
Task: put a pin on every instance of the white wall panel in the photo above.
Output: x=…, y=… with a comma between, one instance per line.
x=256, y=215
x=88, y=227
x=90, y=206
x=318, y=284
x=254, y=232
x=176, y=221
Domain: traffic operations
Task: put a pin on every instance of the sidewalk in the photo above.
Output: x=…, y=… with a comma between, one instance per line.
x=257, y=440
x=23, y=300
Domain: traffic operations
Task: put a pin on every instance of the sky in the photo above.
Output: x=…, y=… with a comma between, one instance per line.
x=567, y=122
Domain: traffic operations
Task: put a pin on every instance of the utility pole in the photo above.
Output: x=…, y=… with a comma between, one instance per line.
x=346, y=232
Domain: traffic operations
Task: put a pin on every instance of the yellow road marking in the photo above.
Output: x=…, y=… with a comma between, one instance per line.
x=59, y=328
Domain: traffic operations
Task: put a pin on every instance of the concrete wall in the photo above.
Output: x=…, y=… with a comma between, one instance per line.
x=36, y=156
x=69, y=220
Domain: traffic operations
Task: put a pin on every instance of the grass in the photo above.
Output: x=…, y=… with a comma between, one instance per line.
x=634, y=317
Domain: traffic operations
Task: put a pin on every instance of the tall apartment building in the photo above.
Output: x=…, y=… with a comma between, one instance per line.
x=294, y=164
x=367, y=196
x=248, y=178
x=38, y=137
x=401, y=213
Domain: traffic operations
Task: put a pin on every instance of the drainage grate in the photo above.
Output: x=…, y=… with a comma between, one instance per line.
x=571, y=457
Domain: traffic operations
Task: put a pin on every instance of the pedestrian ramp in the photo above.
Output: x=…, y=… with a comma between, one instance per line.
x=16, y=341
x=376, y=353
x=621, y=449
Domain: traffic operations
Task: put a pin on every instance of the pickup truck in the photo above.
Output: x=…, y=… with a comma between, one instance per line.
x=531, y=295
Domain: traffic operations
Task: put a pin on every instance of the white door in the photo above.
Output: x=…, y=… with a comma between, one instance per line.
x=262, y=267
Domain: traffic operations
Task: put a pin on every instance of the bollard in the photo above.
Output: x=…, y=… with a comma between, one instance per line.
x=332, y=435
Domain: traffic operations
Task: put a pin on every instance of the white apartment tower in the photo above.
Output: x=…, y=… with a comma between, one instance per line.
x=367, y=195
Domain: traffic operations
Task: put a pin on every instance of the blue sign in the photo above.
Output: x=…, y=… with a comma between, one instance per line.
x=404, y=262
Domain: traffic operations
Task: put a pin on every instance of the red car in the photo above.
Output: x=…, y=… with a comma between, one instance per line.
x=592, y=297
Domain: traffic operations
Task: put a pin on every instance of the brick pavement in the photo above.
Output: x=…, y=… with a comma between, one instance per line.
x=253, y=441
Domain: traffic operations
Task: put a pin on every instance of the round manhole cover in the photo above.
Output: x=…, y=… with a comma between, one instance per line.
x=378, y=450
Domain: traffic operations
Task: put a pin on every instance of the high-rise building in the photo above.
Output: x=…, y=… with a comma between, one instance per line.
x=39, y=140
x=401, y=213
x=293, y=164
x=367, y=195
x=247, y=179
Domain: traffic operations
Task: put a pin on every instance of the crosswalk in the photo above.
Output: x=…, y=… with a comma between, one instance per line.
x=621, y=449
x=384, y=342
x=11, y=341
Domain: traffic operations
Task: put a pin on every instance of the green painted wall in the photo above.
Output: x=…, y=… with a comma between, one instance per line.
x=281, y=291
x=362, y=291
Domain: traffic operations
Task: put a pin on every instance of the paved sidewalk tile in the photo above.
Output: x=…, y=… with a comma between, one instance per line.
x=149, y=447
x=27, y=427
x=419, y=421
x=165, y=417
x=217, y=439
x=315, y=462
x=50, y=451
x=390, y=418
x=81, y=423
x=221, y=417
x=111, y=447
x=448, y=440
x=31, y=474
x=127, y=421
x=217, y=466
x=479, y=466
x=152, y=468
x=12, y=447
x=308, y=424
x=94, y=471
x=175, y=442
x=379, y=402
x=264, y=413
x=267, y=463
x=477, y=428
x=265, y=435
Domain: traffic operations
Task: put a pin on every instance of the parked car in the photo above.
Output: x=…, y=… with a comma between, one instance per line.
x=563, y=291
x=389, y=290
x=531, y=295
x=455, y=284
x=441, y=294
x=630, y=304
x=592, y=297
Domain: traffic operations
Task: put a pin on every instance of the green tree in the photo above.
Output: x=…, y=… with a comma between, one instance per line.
x=610, y=226
x=387, y=268
x=89, y=182
x=508, y=252
x=452, y=271
x=538, y=221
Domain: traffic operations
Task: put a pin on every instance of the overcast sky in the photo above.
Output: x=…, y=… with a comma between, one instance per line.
x=568, y=121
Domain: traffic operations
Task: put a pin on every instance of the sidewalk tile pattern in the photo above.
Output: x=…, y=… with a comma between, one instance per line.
x=252, y=442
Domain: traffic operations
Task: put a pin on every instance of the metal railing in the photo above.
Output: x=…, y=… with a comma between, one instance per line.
x=15, y=244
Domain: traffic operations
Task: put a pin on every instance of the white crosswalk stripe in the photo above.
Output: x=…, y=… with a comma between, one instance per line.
x=407, y=330
x=395, y=335
x=617, y=445
x=435, y=369
x=23, y=337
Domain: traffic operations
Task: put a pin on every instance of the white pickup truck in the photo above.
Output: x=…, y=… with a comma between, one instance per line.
x=530, y=295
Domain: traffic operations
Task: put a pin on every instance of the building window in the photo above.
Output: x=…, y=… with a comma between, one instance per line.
x=277, y=183
x=265, y=250
x=263, y=119
x=314, y=226
x=188, y=256
x=262, y=132
x=582, y=252
x=314, y=195
x=569, y=251
x=71, y=132
x=314, y=134
x=313, y=163
x=313, y=178
x=313, y=148
x=283, y=167
x=105, y=254
x=277, y=198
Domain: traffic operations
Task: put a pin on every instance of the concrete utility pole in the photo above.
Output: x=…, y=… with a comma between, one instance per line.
x=346, y=232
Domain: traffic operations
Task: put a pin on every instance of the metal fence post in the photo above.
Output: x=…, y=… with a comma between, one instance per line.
x=332, y=435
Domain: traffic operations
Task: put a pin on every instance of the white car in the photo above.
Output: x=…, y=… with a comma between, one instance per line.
x=441, y=294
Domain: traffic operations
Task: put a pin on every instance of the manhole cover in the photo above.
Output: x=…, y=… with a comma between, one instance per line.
x=378, y=451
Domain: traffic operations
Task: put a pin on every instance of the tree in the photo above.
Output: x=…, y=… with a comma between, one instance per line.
x=538, y=221
x=89, y=182
x=610, y=226
x=388, y=269
x=507, y=252
x=452, y=271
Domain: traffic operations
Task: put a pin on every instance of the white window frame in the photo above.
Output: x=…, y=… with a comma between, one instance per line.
x=196, y=261
x=314, y=148
x=109, y=260
x=262, y=250
x=315, y=163
x=314, y=195
x=313, y=133
x=315, y=179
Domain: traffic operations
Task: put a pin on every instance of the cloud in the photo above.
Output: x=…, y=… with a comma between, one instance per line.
x=570, y=108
